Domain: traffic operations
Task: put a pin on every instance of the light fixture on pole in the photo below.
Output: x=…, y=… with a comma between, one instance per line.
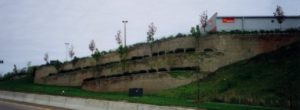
x=125, y=21
x=67, y=45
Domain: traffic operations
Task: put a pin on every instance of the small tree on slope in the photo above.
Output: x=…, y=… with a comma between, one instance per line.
x=150, y=33
x=279, y=14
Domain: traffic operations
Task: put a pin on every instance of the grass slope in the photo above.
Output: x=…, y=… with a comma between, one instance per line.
x=270, y=79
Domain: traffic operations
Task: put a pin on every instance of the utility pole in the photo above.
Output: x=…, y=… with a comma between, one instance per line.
x=125, y=21
x=67, y=45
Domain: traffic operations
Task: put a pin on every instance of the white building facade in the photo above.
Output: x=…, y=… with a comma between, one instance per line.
x=251, y=23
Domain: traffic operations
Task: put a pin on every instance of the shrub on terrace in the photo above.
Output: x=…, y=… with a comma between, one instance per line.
x=96, y=55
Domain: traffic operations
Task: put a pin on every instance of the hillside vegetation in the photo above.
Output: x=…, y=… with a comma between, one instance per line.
x=271, y=79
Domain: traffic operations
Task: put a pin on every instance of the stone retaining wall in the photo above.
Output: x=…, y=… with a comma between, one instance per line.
x=209, y=54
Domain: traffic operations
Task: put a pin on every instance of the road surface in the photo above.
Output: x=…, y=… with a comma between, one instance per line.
x=12, y=105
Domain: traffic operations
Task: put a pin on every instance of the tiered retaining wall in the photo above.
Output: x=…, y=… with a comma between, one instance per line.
x=144, y=67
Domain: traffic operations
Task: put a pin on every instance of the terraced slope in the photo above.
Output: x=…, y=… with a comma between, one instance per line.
x=270, y=79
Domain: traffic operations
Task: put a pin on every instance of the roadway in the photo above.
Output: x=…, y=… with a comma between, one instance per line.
x=13, y=105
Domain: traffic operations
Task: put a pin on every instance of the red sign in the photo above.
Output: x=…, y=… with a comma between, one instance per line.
x=228, y=20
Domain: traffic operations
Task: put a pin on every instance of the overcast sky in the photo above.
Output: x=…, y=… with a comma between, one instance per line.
x=30, y=28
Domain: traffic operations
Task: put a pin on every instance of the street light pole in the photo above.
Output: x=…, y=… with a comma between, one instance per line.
x=125, y=21
x=67, y=45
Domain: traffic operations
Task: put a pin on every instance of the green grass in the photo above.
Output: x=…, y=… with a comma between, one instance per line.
x=26, y=85
x=268, y=80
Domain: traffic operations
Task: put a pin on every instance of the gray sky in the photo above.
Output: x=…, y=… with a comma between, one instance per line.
x=30, y=28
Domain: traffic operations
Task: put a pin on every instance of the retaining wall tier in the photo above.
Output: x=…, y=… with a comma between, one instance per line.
x=150, y=82
x=42, y=72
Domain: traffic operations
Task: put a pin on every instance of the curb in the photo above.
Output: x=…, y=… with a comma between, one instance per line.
x=81, y=103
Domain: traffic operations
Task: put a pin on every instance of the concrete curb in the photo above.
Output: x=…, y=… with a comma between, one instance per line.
x=81, y=103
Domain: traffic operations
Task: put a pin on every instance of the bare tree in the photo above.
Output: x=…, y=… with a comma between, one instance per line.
x=15, y=70
x=279, y=14
x=71, y=52
x=121, y=50
x=203, y=20
x=119, y=42
x=150, y=33
x=28, y=65
x=46, y=57
x=118, y=38
x=92, y=46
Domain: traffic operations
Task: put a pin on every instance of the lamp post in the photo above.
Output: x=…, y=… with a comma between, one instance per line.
x=67, y=45
x=125, y=21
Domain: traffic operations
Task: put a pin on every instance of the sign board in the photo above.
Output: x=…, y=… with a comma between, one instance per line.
x=228, y=20
x=135, y=92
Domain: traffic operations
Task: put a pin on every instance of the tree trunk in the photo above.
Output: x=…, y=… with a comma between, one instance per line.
x=280, y=27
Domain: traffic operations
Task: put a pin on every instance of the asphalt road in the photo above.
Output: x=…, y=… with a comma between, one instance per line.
x=12, y=105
